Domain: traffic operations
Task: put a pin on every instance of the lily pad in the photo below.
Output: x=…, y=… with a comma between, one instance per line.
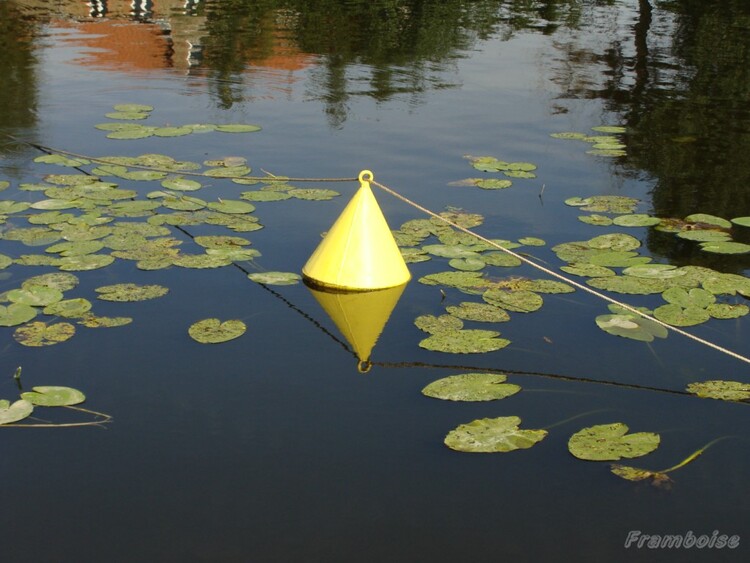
x=727, y=310
x=181, y=184
x=84, y=263
x=709, y=220
x=631, y=326
x=275, y=278
x=480, y=312
x=615, y=242
x=232, y=206
x=471, y=387
x=53, y=396
x=676, y=315
x=695, y=297
x=130, y=292
x=16, y=314
x=69, y=308
x=10, y=413
x=723, y=390
x=41, y=334
x=264, y=196
x=516, y=301
x=238, y=128
x=494, y=184
x=59, y=281
x=92, y=321
x=653, y=271
x=464, y=342
x=313, y=194
x=597, y=220
x=728, y=247
x=35, y=295
x=636, y=220
x=214, y=331
x=489, y=435
x=610, y=442
x=436, y=325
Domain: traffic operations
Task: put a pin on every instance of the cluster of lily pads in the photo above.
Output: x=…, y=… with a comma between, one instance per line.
x=713, y=234
x=602, y=442
x=470, y=259
x=87, y=220
x=609, y=144
x=492, y=164
x=125, y=129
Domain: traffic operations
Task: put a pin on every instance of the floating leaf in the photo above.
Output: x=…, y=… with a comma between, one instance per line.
x=181, y=184
x=436, y=325
x=275, y=278
x=127, y=115
x=93, y=321
x=172, y=131
x=60, y=281
x=69, y=308
x=264, y=196
x=494, y=184
x=609, y=129
x=471, y=264
x=742, y=221
x=201, y=261
x=41, y=334
x=629, y=285
x=610, y=442
x=630, y=325
x=471, y=387
x=588, y=270
x=313, y=194
x=493, y=435
x=598, y=220
x=481, y=312
x=130, y=292
x=53, y=396
x=653, y=271
x=615, y=242
x=677, y=315
x=636, y=220
x=16, y=314
x=238, y=128
x=83, y=263
x=35, y=295
x=232, y=206
x=214, y=331
x=727, y=310
x=10, y=413
x=695, y=297
x=725, y=247
x=464, y=341
x=719, y=389
x=516, y=301
x=704, y=235
x=127, y=108
x=569, y=135
x=618, y=259
x=450, y=251
x=709, y=220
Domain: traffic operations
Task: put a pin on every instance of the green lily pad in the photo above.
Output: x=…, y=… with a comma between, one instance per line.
x=16, y=314
x=653, y=271
x=214, y=331
x=727, y=310
x=450, y=251
x=275, y=278
x=471, y=264
x=127, y=108
x=127, y=115
x=238, y=128
x=723, y=390
x=489, y=435
x=35, y=295
x=181, y=184
x=516, y=301
x=618, y=259
x=264, y=196
x=464, y=341
x=494, y=184
x=60, y=281
x=436, y=325
x=572, y=135
x=313, y=194
x=616, y=242
x=597, y=220
x=480, y=312
x=500, y=259
x=201, y=261
x=471, y=387
x=609, y=129
x=629, y=285
x=695, y=297
x=39, y=333
x=53, y=396
x=588, y=270
x=610, y=442
x=631, y=326
x=704, y=235
x=130, y=292
x=709, y=220
x=677, y=315
x=741, y=221
x=84, y=263
x=10, y=413
x=69, y=308
x=172, y=131
x=232, y=206
x=728, y=247
x=636, y=220
x=92, y=321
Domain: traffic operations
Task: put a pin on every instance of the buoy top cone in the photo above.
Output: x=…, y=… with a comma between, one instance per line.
x=359, y=252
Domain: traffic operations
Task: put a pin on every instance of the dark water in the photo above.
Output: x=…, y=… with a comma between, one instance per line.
x=272, y=447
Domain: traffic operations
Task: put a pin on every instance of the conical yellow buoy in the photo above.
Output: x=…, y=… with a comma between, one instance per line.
x=360, y=316
x=359, y=251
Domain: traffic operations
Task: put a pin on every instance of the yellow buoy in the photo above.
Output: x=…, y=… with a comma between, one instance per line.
x=359, y=251
x=360, y=316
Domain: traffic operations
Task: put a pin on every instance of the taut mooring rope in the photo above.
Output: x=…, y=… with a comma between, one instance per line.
x=554, y=274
